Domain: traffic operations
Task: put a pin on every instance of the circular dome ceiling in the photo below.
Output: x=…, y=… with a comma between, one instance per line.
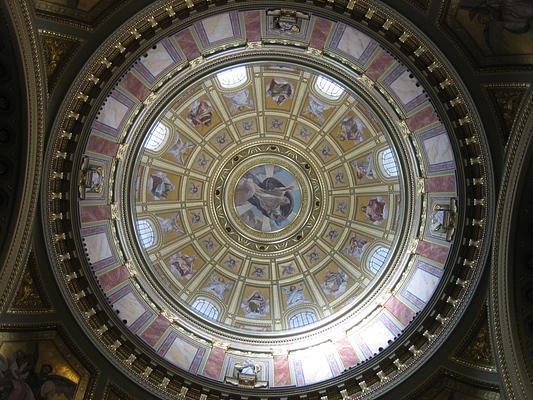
x=266, y=199
x=268, y=203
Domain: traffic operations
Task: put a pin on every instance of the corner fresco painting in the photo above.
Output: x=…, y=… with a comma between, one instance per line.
x=38, y=365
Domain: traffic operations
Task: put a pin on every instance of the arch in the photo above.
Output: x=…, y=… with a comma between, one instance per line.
x=376, y=259
x=387, y=163
x=146, y=233
x=206, y=308
x=302, y=318
x=232, y=77
x=327, y=88
x=158, y=137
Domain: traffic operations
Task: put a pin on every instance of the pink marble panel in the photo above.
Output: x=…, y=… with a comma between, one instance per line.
x=440, y=184
x=422, y=118
x=155, y=330
x=252, y=21
x=282, y=374
x=187, y=44
x=346, y=353
x=320, y=33
x=114, y=277
x=213, y=366
x=433, y=251
x=133, y=85
x=379, y=65
x=100, y=145
x=95, y=213
x=397, y=308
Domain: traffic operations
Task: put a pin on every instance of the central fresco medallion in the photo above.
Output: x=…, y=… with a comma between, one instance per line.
x=268, y=198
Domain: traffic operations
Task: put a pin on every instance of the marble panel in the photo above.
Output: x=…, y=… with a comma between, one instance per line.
x=157, y=60
x=439, y=151
x=252, y=21
x=133, y=85
x=405, y=87
x=376, y=335
x=422, y=284
x=282, y=373
x=113, y=113
x=214, y=363
x=218, y=27
x=426, y=116
x=381, y=63
x=320, y=33
x=354, y=42
x=440, y=184
x=400, y=311
x=98, y=144
x=346, y=353
x=433, y=251
x=155, y=330
x=181, y=353
x=129, y=307
x=95, y=213
x=187, y=44
x=97, y=248
x=114, y=277
x=313, y=364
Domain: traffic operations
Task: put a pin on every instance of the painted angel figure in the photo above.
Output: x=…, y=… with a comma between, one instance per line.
x=218, y=286
x=356, y=247
x=295, y=294
x=316, y=108
x=179, y=148
x=240, y=101
x=352, y=129
x=364, y=169
x=181, y=265
x=160, y=186
x=171, y=224
x=335, y=283
x=375, y=210
x=255, y=306
x=200, y=113
x=279, y=90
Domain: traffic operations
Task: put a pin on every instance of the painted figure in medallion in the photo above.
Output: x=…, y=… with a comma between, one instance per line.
x=218, y=286
x=240, y=101
x=181, y=265
x=160, y=186
x=255, y=306
x=200, y=113
x=352, y=129
x=172, y=224
x=295, y=294
x=375, y=210
x=268, y=195
x=280, y=90
x=335, y=283
x=287, y=21
x=91, y=178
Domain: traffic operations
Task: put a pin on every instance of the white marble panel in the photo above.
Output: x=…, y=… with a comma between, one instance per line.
x=112, y=113
x=438, y=149
x=315, y=366
x=181, y=353
x=422, y=284
x=97, y=247
x=218, y=27
x=157, y=60
x=354, y=42
x=130, y=308
x=405, y=88
x=376, y=335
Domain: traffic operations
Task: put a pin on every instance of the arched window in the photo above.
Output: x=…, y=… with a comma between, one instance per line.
x=146, y=232
x=205, y=308
x=233, y=77
x=376, y=259
x=157, y=138
x=387, y=162
x=302, y=318
x=328, y=88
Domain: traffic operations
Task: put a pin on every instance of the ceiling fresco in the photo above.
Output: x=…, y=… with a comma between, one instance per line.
x=263, y=199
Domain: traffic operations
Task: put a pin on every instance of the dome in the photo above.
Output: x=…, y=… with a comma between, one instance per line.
x=267, y=199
